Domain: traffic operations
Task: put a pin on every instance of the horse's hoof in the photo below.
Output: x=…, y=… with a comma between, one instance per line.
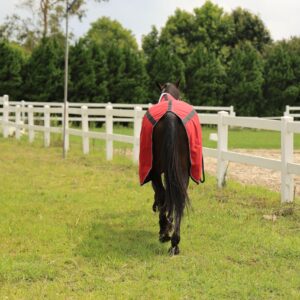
x=164, y=238
x=174, y=251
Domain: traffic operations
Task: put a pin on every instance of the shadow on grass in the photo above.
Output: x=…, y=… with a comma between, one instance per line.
x=106, y=240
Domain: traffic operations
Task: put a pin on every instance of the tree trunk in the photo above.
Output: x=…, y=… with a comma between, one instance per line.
x=45, y=10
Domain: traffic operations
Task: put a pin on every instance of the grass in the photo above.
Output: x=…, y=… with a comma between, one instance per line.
x=82, y=228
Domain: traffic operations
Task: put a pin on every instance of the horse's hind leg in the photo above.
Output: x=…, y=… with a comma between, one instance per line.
x=159, y=203
x=175, y=239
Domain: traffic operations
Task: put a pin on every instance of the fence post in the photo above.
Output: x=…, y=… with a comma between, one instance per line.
x=222, y=146
x=85, y=129
x=137, y=130
x=47, y=125
x=18, y=121
x=232, y=112
x=5, y=117
x=30, y=124
x=23, y=104
x=287, y=111
x=287, y=149
x=109, y=131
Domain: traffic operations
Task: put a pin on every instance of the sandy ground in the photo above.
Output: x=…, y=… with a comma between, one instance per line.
x=253, y=175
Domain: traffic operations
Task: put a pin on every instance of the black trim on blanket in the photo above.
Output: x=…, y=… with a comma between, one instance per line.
x=189, y=117
x=170, y=105
x=150, y=118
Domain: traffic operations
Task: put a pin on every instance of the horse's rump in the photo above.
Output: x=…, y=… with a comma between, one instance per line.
x=189, y=119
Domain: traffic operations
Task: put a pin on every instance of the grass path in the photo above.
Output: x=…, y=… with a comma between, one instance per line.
x=83, y=229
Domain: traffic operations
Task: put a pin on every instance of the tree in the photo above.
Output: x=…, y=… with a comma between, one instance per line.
x=106, y=32
x=82, y=75
x=10, y=70
x=150, y=42
x=164, y=66
x=43, y=73
x=45, y=19
x=282, y=76
x=249, y=27
x=21, y=31
x=205, y=77
x=177, y=33
x=99, y=58
x=127, y=79
x=88, y=73
x=213, y=27
x=245, y=80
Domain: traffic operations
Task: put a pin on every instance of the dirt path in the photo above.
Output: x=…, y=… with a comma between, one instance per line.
x=253, y=175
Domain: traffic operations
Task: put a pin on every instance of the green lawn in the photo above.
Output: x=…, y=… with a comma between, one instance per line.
x=83, y=229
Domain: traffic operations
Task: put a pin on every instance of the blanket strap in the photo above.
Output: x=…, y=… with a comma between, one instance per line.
x=202, y=179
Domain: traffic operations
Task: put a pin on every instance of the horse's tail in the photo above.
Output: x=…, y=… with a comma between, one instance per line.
x=175, y=180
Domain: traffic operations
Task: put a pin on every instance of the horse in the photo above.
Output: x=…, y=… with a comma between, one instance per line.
x=170, y=159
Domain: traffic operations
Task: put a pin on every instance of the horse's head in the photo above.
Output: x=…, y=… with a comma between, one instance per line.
x=170, y=88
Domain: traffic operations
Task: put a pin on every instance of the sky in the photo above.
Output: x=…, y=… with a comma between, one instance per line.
x=280, y=17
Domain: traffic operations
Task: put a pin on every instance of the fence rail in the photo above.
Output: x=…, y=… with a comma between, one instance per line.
x=292, y=111
x=23, y=118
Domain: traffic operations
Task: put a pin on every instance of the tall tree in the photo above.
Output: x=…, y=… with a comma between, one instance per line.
x=82, y=75
x=282, y=76
x=245, y=80
x=150, y=42
x=43, y=73
x=213, y=27
x=205, y=78
x=127, y=79
x=164, y=66
x=249, y=27
x=177, y=34
x=88, y=73
x=99, y=58
x=106, y=32
x=45, y=18
x=11, y=63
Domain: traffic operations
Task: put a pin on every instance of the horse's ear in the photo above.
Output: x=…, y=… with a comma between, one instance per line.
x=160, y=86
x=177, y=83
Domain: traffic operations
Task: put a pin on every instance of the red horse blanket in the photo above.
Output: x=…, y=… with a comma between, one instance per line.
x=189, y=119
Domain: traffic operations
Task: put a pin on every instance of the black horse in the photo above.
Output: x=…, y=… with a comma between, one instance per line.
x=171, y=158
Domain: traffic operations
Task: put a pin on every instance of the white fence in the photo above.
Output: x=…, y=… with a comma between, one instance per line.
x=23, y=117
x=292, y=111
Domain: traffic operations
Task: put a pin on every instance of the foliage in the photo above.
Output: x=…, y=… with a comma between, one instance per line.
x=164, y=66
x=245, y=80
x=249, y=27
x=127, y=78
x=45, y=19
x=82, y=75
x=213, y=27
x=43, y=73
x=107, y=33
x=205, y=78
x=282, y=75
x=11, y=63
x=177, y=33
x=150, y=42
